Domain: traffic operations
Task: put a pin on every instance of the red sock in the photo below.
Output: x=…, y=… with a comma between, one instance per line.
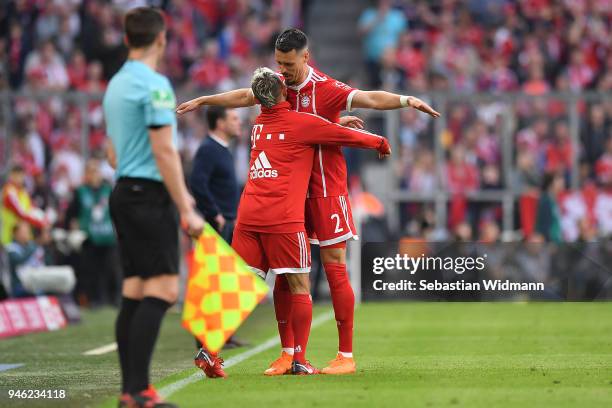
x=301, y=318
x=282, y=308
x=343, y=300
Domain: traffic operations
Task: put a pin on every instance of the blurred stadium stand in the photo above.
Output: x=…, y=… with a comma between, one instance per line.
x=524, y=87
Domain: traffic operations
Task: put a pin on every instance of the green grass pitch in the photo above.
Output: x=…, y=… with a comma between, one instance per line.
x=408, y=354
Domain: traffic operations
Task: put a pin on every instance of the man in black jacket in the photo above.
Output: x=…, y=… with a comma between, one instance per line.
x=213, y=178
x=215, y=189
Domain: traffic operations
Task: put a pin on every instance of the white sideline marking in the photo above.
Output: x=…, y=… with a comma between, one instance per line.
x=4, y=367
x=101, y=350
x=237, y=359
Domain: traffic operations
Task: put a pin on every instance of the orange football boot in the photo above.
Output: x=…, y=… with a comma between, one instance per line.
x=281, y=365
x=340, y=365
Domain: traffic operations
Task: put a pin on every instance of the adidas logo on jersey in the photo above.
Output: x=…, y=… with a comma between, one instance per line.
x=262, y=168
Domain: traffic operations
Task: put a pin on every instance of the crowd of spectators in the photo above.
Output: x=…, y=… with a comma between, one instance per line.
x=58, y=56
x=498, y=47
x=534, y=46
x=536, y=49
x=74, y=45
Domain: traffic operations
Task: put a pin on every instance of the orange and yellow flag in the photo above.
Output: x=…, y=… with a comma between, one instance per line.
x=221, y=291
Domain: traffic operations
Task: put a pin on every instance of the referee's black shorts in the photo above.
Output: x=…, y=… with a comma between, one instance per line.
x=146, y=222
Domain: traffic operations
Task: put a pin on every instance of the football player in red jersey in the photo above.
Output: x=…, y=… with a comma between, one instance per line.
x=328, y=214
x=270, y=234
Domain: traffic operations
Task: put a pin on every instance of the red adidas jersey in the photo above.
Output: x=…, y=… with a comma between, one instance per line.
x=282, y=155
x=323, y=96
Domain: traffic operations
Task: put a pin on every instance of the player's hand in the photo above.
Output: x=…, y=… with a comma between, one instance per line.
x=351, y=122
x=192, y=223
x=188, y=106
x=384, y=150
x=220, y=220
x=419, y=104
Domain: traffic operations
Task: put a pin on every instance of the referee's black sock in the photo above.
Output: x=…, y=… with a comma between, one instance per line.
x=122, y=336
x=143, y=335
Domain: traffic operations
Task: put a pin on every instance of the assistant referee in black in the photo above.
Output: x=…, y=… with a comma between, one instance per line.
x=139, y=112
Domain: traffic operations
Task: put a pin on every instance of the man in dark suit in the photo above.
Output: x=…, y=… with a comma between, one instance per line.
x=213, y=178
x=215, y=189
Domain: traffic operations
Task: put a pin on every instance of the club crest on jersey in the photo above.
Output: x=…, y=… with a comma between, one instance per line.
x=262, y=168
x=305, y=101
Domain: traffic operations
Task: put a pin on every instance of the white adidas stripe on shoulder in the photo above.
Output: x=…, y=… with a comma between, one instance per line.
x=314, y=98
x=318, y=77
x=316, y=116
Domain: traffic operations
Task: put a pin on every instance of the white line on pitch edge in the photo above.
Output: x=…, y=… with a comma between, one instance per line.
x=237, y=359
x=101, y=350
x=5, y=367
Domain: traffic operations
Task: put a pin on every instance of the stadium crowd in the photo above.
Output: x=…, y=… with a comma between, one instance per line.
x=51, y=48
x=532, y=47
x=77, y=46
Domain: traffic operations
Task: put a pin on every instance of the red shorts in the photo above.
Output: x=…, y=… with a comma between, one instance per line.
x=273, y=252
x=329, y=220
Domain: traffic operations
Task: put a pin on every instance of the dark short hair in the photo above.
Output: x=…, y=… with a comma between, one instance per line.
x=15, y=229
x=213, y=114
x=291, y=39
x=142, y=25
x=548, y=180
x=17, y=168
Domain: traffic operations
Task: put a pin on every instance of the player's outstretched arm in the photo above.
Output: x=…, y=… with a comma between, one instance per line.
x=238, y=98
x=383, y=100
x=320, y=131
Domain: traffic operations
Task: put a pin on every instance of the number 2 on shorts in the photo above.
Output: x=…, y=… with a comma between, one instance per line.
x=338, y=227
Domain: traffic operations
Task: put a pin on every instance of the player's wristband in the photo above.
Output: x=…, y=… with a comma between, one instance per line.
x=404, y=101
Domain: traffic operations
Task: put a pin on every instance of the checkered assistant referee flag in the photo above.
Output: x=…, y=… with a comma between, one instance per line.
x=221, y=291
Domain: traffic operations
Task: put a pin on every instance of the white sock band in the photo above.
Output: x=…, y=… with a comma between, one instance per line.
x=288, y=350
x=347, y=355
